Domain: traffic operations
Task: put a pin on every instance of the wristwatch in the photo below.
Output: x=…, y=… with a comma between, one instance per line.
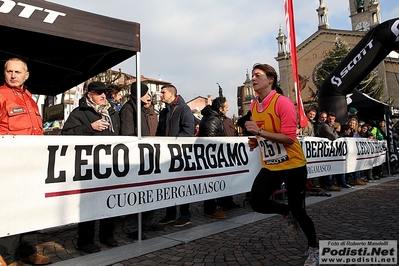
x=259, y=132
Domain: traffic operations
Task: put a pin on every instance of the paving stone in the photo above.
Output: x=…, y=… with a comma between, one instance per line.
x=371, y=212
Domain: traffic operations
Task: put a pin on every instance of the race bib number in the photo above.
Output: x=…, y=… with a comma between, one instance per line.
x=272, y=153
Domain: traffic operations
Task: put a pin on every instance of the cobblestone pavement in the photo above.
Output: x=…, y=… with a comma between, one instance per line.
x=369, y=213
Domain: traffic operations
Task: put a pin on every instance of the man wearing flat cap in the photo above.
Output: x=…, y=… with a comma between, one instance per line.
x=95, y=116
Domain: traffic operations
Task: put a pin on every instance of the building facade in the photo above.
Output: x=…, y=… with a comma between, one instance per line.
x=364, y=15
x=245, y=95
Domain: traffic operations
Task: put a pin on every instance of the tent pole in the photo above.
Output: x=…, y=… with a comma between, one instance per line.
x=389, y=139
x=138, y=104
x=138, y=95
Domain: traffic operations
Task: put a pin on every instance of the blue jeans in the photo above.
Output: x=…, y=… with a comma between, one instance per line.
x=341, y=178
x=358, y=176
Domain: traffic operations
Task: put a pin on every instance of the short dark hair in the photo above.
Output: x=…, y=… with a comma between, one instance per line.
x=218, y=103
x=171, y=88
x=113, y=90
x=331, y=114
x=311, y=110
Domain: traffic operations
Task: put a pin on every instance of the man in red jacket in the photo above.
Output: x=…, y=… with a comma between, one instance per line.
x=19, y=115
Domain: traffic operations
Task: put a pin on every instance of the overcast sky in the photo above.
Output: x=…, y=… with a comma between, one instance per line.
x=196, y=44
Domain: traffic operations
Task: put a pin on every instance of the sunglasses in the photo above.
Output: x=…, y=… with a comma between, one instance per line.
x=98, y=92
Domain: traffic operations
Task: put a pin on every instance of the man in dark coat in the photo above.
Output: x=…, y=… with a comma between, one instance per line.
x=227, y=202
x=175, y=120
x=128, y=115
x=95, y=116
x=326, y=130
x=211, y=125
x=321, y=120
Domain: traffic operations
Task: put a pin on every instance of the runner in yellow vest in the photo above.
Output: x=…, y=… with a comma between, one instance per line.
x=274, y=123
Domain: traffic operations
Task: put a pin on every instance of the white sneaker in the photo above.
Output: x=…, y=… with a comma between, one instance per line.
x=313, y=257
x=293, y=227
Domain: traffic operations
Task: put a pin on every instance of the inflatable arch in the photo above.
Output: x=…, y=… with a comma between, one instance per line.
x=360, y=61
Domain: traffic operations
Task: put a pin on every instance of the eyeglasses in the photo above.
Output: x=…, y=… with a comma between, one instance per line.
x=98, y=92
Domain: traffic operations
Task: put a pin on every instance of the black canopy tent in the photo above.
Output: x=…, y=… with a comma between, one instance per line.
x=369, y=109
x=62, y=46
x=372, y=110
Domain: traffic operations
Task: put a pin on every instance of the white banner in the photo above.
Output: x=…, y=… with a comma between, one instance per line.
x=344, y=155
x=50, y=181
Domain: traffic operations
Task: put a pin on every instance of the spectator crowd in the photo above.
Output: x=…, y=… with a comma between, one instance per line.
x=100, y=113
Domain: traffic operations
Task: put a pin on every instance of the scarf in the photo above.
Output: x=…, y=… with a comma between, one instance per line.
x=102, y=110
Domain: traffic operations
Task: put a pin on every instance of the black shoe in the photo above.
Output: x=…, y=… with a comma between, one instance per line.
x=230, y=205
x=346, y=186
x=181, y=222
x=135, y=236
x=109, y=242
x=233, y=205
x=166, y=220
x=90, y=248
x=153, y=227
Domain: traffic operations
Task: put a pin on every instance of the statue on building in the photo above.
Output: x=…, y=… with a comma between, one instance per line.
x=220, y=90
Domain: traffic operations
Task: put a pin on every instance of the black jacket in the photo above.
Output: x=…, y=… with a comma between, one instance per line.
x=128, y=115
x=211, y=124
x=80, y=119
x=181, y=123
